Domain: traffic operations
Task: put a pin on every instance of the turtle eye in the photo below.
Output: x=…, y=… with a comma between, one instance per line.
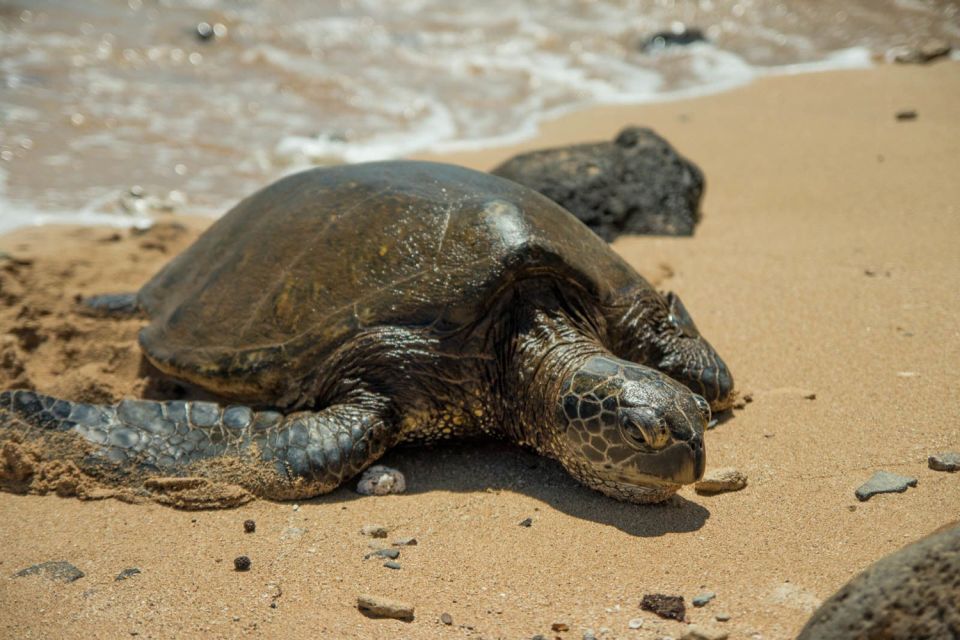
x=702, y=406
x=642, y=426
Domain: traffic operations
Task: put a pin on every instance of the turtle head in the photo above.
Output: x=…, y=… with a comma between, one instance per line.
x=630, y=431
x=688, y=358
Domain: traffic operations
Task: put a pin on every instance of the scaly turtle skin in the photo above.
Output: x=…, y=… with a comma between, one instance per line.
x=348, y=309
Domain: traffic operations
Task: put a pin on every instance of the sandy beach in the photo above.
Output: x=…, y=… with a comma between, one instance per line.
x=825, y=271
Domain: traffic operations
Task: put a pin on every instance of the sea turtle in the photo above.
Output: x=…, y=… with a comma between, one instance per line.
x=347, y=309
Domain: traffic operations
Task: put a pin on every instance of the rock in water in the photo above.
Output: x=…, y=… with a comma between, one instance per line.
x=920, y=54
x=377, y=607
x=913, y=593
x=664, y=39
x=635, y=184
x=884, y=482
x=947, y=461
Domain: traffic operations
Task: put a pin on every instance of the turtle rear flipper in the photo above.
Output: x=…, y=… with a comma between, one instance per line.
x=136, y=442
x=110, y=305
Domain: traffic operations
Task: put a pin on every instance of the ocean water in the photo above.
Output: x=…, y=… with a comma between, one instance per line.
x=101, y=97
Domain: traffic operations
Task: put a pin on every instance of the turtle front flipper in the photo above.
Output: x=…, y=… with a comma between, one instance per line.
x=111, y=305
x=136, y=442
x=656, y=330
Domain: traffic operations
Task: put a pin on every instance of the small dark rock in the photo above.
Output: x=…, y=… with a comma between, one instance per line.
x=241, y=563
x=527, y=522
x=559, y=627
x=446, y=618
x=128, y=573
x=249, y=526
x=909, y=114
x=60, y=571
x=664, y=39
x=405, y=542
x=946, y=461
x=670, y=607
x=911, y=593
x=884, y=482
x=635, y=184
x=390, y=564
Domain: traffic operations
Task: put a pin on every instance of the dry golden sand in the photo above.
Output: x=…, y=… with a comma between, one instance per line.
x=827, y=263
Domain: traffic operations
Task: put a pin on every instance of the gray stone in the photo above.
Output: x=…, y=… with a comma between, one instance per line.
x=722, y=617
x=405, y=542
x=60, y=571
x=392, y=554
x=635, y=184
x=702, y=599
x=390, y=564
x=377, y=607
x=946, y=461
x=912, y=593
x=884, y=482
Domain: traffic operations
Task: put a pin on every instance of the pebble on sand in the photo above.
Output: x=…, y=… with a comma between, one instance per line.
x=60, y=571
x=559, y=627
x=380, y=480
x=390, y=554
x=446, y=618
x=390, y=564
x=906, y=114
x=241, y=563
x=946, y=461
x=528, y=522
x=698, y=632
x=884, y=482
x=670, y=607
x=127, y=573
x=249, y=526
x=377, y=607
x=635, y=623
x=374, y=531
x=722, y=480
x=702, y=599
x=405, y=542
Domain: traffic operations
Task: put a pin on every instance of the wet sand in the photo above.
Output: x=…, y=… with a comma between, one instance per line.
x=826, y=265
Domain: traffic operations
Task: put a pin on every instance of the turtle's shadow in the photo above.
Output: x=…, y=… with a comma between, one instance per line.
x=478, y=466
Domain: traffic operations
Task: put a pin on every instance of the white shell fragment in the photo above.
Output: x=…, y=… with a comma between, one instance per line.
x=379, y=480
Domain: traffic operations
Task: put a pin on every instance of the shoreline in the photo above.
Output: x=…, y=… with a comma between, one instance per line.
x=825, y=265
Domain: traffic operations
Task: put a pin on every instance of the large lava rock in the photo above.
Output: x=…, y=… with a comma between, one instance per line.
x=636, y=184
x=913, y=593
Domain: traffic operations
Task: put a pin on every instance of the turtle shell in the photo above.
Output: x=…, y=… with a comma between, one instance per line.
x=300, y=267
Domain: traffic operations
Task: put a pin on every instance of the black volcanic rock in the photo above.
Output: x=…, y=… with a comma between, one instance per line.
x=636, y=184
x=912, y=593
